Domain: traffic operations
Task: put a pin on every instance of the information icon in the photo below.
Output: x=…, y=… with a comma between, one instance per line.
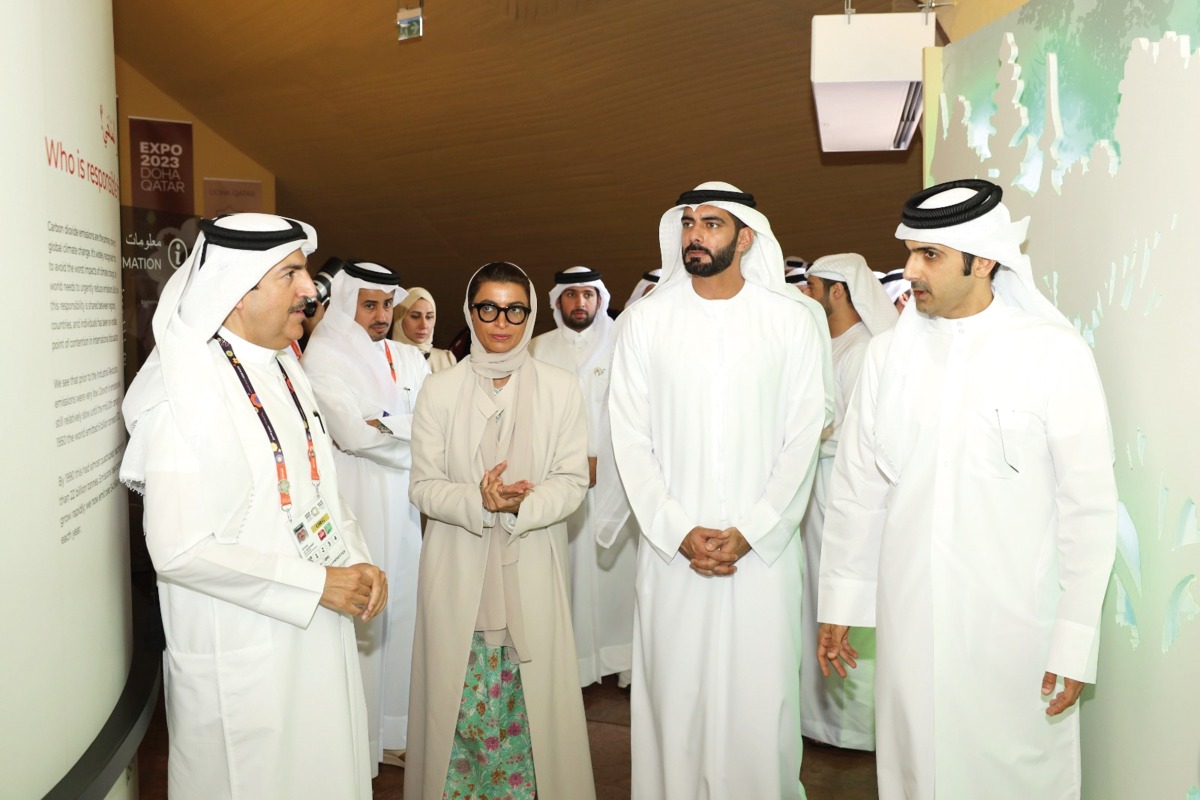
x=177, y=252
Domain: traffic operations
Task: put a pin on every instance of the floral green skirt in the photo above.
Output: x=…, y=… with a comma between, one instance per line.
x=492, y=756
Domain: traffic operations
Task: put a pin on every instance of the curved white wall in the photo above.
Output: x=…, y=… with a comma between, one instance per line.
x=65, y=630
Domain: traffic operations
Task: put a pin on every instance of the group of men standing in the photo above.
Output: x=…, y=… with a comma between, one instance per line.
x=925, y=498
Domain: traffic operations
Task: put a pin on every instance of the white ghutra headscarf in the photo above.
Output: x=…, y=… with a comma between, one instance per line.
x=965, y=215
x=341, y=346
x=762, y=264
x=229, y=258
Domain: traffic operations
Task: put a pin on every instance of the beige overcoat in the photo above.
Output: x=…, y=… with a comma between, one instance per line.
x=446, y=473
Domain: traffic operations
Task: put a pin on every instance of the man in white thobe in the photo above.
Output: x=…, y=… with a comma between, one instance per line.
x=720, y=390
x=644, y=286
x=832, y=710
x=602, y=533
x=972, y=518
x=367, y=386
x=259, y=565
x=898, y=289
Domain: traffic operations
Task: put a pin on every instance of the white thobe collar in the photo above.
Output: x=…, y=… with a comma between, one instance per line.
x=248, y=352
x=855, y=326
x=578, y=339
x=976, y=323
x=721, y=302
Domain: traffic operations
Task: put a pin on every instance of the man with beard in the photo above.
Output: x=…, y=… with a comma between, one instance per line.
x=832, y=711
x=602, y=534
x=972, y=516
x=721, y=387
x=367, y=386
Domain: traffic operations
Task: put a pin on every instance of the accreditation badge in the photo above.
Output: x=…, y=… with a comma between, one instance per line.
x=317, y=538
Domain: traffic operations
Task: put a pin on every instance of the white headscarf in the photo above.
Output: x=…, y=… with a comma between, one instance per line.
x=978, y=224
x=992, y=235
x=403, y=306
x=225, y=264
x=895, y=284
x=500, y=365
x=762, y=263
x=601, y=326
x=340, y=345
x=597, y=284
x=649, y=280
x=796, y=270
x=866, y=293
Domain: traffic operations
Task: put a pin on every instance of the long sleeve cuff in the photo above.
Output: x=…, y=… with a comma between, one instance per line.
x=761, y=526
x=294, y=599
x=843, y=601
x=507, y=521
x=670, y=527
x=1074, y=649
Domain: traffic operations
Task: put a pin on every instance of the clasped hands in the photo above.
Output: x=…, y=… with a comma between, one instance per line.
x=714, y=552
x=833, y=649
x=499, y=496
x=359, y=590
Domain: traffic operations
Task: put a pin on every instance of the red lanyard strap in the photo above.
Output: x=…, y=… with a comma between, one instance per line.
x=285, y=498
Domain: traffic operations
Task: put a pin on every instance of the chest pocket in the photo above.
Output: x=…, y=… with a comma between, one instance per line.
x=1003, y=442
x=598, y=385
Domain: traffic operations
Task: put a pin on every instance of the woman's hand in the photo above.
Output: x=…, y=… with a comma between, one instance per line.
x=501, y=497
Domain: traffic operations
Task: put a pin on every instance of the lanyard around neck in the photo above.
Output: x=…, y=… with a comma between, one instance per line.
x=387, y=351
x=285, y=497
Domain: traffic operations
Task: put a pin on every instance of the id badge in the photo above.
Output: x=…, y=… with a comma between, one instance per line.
x=317, y=538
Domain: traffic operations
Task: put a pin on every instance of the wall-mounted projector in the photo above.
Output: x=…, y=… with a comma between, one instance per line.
x=866, y=76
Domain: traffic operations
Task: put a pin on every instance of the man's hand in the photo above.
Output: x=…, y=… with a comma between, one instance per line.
x=591, y=471
x=499, y=496
x=721, y=552
x=833, y=647
x=358, y=590
x=1064, y=699
x=379, y=426
x=694, y=543
x=713, y=552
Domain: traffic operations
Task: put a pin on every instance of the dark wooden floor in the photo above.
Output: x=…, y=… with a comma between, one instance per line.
x=828, y=773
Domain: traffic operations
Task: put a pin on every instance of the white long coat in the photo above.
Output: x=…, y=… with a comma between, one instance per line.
x=986, y=564
x=717, y=409
x=447, y=470
x=602, y=577
x=373, y=469
x=263, y=692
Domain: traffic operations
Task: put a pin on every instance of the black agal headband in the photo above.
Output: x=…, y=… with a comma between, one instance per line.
x=389, y=278
x=699, y=197
x=566, y=278
x=235, y=239
x=987, y=196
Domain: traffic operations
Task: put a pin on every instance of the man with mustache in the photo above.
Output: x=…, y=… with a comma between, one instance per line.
x=260, y=566
x=602, y=534
x=367, y=385
x=972, y=518
x=721, y=387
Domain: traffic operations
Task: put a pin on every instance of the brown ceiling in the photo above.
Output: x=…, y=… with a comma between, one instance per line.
x=544, y=132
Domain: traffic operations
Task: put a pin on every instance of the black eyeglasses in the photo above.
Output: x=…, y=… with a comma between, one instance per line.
x=490, y=312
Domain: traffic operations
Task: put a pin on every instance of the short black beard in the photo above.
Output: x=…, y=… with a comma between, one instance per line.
x=578, y=326
x=718, y=261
